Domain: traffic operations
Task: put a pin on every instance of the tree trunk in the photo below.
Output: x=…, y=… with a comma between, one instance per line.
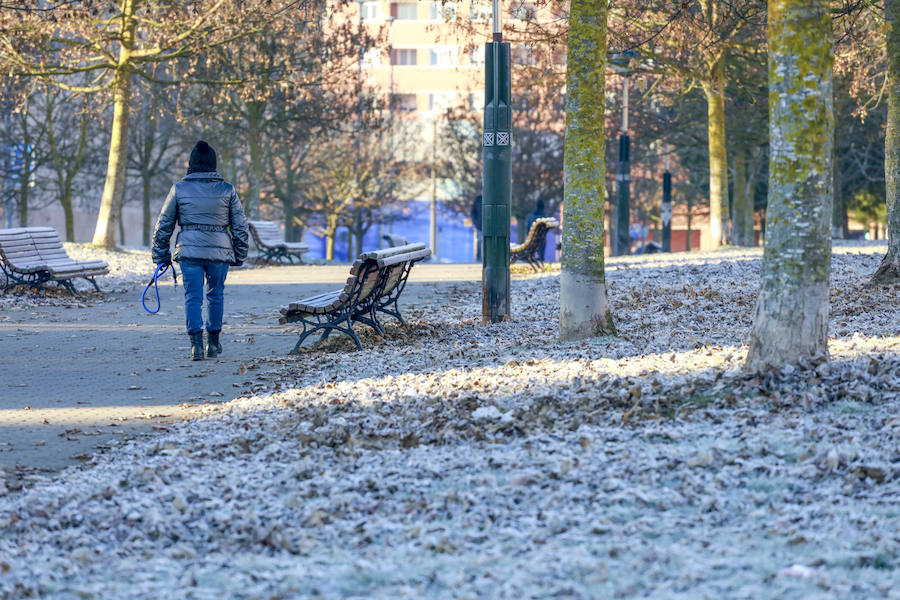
x=331, y=222
x=288, y=208
x=145, y=206
x=889, y=270
x=791, y=318
x=114, y=187
x=742, y=227
x=25, y=189
x=584, y=307
x=714, y=89
x=255, y=110
x=521, y=232
x=66, y=201
x=360, y=234
x=838, y=206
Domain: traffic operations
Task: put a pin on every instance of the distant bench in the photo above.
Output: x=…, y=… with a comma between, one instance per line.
x=34, y=255
x=271, y=244
x=376, y=281
x=532, y=249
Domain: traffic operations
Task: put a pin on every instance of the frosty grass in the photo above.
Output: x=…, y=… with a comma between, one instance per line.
x=454, y=460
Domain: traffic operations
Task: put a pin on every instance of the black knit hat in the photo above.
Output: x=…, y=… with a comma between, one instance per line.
x=203, y=159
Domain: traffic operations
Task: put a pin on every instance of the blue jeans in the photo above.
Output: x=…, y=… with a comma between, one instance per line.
x=194, y=272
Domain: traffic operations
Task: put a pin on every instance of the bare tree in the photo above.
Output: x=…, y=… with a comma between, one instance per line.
x=112, y=41
x=151, y=146
x=70, y=126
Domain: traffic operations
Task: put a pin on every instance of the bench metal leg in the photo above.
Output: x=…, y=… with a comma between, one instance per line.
x=385, y=308
x=310, y=328
x=67, y=284
x=33, y=280
x=371, y=321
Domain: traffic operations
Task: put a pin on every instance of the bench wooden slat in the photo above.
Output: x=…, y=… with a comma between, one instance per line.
x=386, y=252
x=21, y=251
x=312, y=304
x=402, y=258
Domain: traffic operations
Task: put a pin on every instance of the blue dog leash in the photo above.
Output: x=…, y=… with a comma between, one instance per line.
x=154, y=281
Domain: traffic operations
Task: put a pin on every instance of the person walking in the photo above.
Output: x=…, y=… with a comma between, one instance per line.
x=213, y=236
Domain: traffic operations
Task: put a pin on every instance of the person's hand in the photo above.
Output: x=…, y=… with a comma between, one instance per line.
x=236, y=263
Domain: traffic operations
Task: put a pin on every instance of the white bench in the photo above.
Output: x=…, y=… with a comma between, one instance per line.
x=267, y=237
x=35, y=255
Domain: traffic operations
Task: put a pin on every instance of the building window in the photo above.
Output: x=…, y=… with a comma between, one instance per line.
x=559, y=56
x=447, y=12
x=523, y=11
x=371, y=11
x=481, y=10
x=442, y=57
x=476, y=57
x=403, y=11
x=439, y=101
x=403, y=56
x=522, y=55
x=406, y=102
x=371, y=57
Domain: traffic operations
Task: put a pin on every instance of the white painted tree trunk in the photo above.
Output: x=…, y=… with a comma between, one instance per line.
x=584, y=308
x=791, y=318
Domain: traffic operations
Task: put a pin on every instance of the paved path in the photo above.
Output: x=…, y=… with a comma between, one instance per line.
x=74, y=379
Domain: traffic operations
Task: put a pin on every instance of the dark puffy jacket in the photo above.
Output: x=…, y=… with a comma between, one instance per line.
x=205, y=206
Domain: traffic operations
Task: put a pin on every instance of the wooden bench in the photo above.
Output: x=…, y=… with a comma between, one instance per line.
x=35, y=255
x=271, y=244
x=532, y=249
x=376, y=281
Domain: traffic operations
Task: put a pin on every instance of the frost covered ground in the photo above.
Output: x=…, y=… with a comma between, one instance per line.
x=452, y=460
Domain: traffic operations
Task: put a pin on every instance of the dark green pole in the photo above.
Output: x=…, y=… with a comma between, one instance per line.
x=623, y=200
x=496, y=144
x=666, y=213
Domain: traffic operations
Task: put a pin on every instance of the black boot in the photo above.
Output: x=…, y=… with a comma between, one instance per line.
x=197, y=345
x=213, y=347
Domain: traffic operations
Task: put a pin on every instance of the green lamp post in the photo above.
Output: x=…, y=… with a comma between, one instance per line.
x=496, y=142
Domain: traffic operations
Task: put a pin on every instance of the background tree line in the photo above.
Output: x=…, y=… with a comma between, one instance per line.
x=119, y=90
x=111, y=95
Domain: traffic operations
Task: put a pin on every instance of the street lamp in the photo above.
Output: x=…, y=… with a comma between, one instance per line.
x=622, y=240
x=666, y=211
x=496, y=142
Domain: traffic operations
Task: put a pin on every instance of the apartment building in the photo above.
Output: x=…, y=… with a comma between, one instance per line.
x=427, y=67
x=432, y=60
